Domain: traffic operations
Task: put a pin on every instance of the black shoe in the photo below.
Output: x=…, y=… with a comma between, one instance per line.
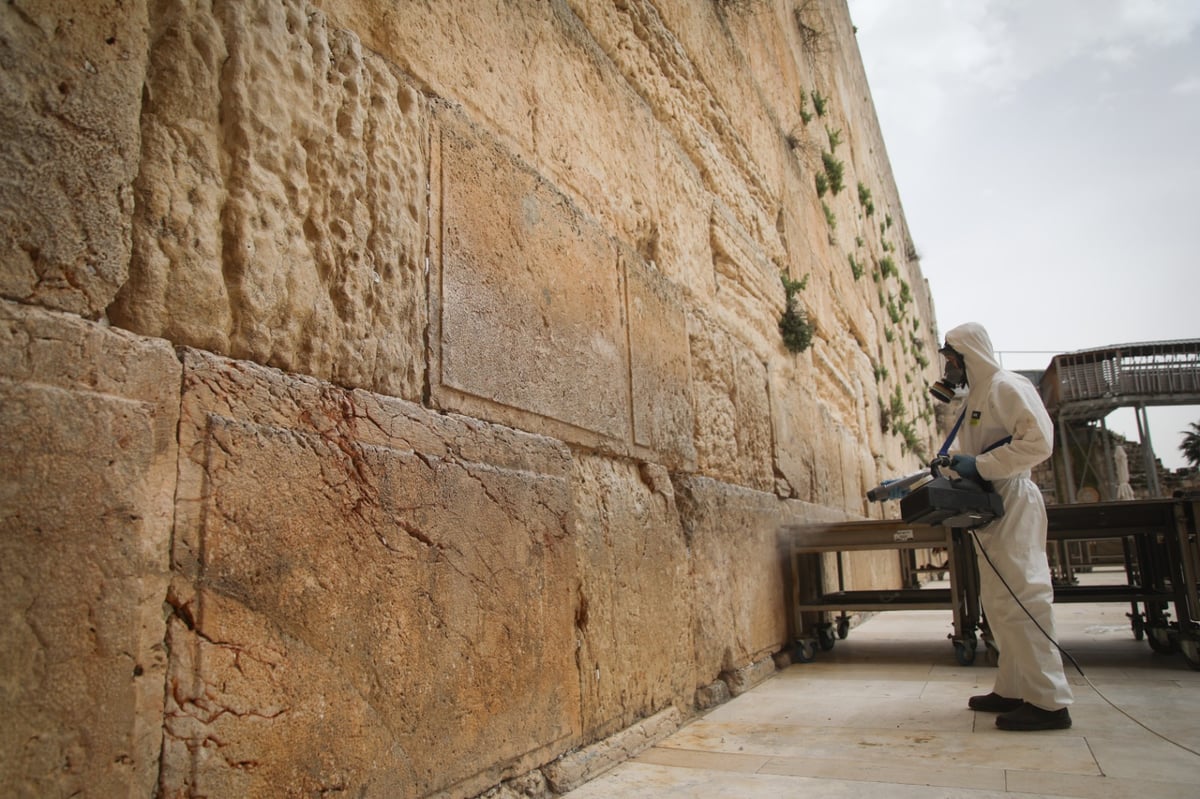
x=993, y=703
x=1031, y=717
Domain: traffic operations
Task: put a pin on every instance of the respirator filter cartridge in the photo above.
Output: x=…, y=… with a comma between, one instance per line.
x=942, y=390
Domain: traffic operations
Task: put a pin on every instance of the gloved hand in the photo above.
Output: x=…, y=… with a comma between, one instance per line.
x=897, y=493
x=965, y=466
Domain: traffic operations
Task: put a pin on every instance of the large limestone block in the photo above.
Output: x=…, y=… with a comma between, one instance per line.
x=682, y=246
x=733, y=415
x=282, y=199
x=795, y=420
x=372, y=598
x=542, y=320
x=660, y=367
x=532, y=74
x=750, y=295
x=678, y=57
x=70, y=93
x=530, y=312
x=634, y=616
x=87, y=442
x=739, y=611
x=828, y=480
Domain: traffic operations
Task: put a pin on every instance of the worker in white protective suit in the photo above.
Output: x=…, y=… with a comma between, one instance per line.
x=1005, y=432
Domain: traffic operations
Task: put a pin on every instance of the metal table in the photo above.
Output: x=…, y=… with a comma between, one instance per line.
x=808, y=605
x=1162, y=561
x=1162, y=566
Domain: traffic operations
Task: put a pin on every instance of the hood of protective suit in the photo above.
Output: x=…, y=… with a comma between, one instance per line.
x=972, y=342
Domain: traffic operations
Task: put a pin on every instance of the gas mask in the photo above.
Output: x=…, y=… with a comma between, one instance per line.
x=955, y=375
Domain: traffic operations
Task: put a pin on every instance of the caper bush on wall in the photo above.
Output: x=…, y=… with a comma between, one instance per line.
x=794, y=327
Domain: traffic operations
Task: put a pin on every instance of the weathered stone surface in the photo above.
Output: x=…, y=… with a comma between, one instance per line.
x=818, y=451
x=528, y=786
x=739, y=613
x=742, y=680
x=749, y=291
x=678, y=62
x=69, y=103
x=593, y=338
x=635, y=595
x=87, y=443
x=573, y=769
x=713, y=694
x=795, y=420
x=732, y=416
x=376, y=598
x=660, y=367
x=529, y=283
x=682, y=247
x=517, y=68
x=566, y=217
x=282, y=197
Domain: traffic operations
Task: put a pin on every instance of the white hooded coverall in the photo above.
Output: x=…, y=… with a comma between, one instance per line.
x=1001, y=404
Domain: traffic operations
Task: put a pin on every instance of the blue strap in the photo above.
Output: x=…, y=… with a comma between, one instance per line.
x=953, y=432
x=994, y=444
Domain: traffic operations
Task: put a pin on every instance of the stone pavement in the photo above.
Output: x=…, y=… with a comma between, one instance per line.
x=885, y=714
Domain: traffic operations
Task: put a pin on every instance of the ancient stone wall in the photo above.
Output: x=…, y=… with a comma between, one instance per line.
x=392, y=395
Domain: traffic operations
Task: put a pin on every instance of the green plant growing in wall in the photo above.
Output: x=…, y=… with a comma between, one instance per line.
x=818, y=103
x=887, y=266
x=910, y=441
x=835, y=138
x=856, y=268
x=881, y=373
x=830, y=219
x=896, y=404
x=805, y=115
x=893, y=312
x=822, y=183
x=887, y=220
x=902, y=427
x=864, y=199
x=794, y=326
x=835, y=171
x=892, y=411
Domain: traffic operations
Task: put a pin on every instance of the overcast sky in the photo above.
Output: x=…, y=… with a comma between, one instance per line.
x=1047, y=154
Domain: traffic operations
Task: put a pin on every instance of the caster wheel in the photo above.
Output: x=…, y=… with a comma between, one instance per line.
x=843, y=628
x=1161, y=640
x=964, y=651
x=825, y=638
x=804, y=652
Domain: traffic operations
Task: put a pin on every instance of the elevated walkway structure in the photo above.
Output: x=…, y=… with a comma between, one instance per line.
x=1081, y=388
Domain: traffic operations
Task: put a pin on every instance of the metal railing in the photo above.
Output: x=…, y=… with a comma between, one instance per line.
x=1092, y=382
